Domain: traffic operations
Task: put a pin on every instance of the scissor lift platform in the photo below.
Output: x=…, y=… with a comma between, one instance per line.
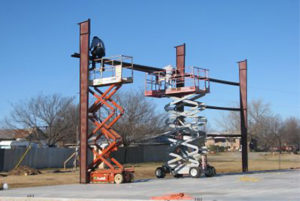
x=112, y=70
x=163, y=84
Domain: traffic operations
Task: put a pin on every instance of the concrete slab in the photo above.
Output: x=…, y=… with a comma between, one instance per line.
x=276, y=185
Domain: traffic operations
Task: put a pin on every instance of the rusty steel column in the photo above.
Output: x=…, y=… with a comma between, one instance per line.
x=243, y=109
x=180, y=62
x=84, y=98
x=180, y=66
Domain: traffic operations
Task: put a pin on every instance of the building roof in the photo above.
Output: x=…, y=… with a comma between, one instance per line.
x=6, y=134
x=12, y=134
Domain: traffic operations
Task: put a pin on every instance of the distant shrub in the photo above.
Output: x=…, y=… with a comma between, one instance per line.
x=216, y=148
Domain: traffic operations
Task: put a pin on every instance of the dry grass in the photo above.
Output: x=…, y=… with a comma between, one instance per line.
x=224, y=162
x=231, y=162
x=44, y=179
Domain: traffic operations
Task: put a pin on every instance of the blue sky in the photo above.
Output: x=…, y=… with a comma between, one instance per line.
x=37, y=38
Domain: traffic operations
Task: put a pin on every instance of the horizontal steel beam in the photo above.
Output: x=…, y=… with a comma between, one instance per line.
x=151, y=69
x=137, y=67
x=223, y=135
x=214, y=80
x=223, y=82
x=222, y=108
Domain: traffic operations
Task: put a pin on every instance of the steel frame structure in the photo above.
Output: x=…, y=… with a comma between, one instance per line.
x=85, y=59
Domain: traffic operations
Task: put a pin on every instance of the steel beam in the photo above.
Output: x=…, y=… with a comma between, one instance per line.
x=223, y=135
x=223, y=82
x=84, y=98
x=137, y=67
x=151, y=69
x=243, y=106
x=180, y=63
x=222, y=108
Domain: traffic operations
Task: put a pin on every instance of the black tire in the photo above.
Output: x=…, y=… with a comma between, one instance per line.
x=166, y=169
x=132, y=177
x=160, y=173
x=195, y=172
x=128, y=177
x=178, y=175
x=210, y=171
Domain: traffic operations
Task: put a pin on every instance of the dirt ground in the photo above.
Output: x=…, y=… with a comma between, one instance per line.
x=223, y=162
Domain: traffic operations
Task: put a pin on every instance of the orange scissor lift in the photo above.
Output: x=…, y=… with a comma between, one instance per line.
x=104, y=112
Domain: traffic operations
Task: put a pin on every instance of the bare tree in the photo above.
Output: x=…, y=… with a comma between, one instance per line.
x=275, y=131
x=51, y=118
x=230, y=122
x=257, y=111
x=260, y=119
x=140, y=119
x=291, y=129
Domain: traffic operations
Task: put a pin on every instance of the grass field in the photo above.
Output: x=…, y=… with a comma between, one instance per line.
x=223, y=162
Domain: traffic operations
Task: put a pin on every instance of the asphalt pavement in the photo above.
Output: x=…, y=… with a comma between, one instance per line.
x=268, y=185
